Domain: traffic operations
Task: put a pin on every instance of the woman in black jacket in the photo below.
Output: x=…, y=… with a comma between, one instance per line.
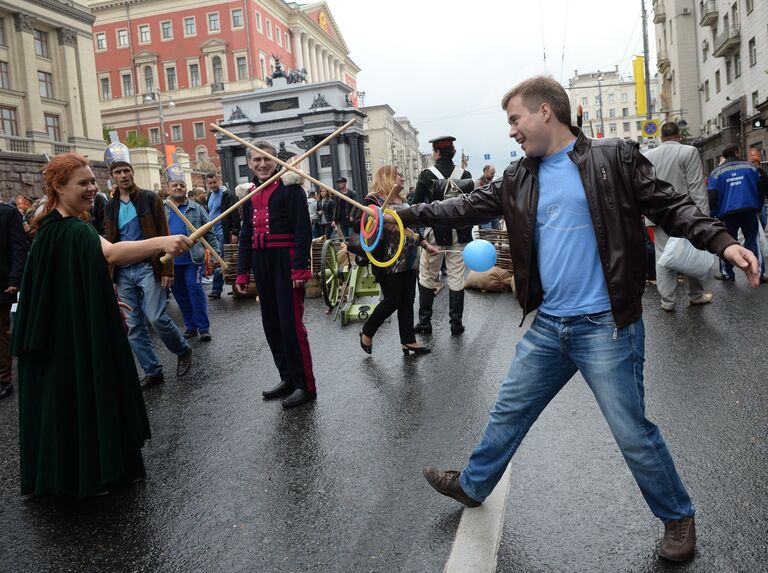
x=325, y=210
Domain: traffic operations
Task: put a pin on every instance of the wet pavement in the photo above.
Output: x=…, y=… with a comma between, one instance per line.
x=235, y=483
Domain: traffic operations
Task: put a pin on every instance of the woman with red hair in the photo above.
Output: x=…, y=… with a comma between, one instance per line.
x=82, y=421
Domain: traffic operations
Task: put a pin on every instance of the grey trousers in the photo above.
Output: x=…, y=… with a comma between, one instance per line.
x=666, y=279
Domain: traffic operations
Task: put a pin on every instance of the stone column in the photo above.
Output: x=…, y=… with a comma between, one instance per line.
x=321, y=71
x=67, y=61
x=358, y=171
x=297, y=53
x=26, y=79
x=313, y=169
x=335, y=171
x=313, y=58
x=361, y=161
x=307, y=62
x=342, y=72
x=337, y=67
x=89, y=98
x=226, y=156
x=326, y=68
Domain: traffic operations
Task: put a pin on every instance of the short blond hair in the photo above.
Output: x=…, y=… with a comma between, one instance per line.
x=384, y=180
x=538, y=90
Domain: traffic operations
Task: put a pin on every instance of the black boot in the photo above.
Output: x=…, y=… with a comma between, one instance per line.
x=426, y=298
x=282, y=389
x=456, y=310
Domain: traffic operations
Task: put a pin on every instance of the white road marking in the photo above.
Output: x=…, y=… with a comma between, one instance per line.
x=479, y=533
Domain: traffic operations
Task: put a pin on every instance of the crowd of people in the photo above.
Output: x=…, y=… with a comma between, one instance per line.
x=94, y=280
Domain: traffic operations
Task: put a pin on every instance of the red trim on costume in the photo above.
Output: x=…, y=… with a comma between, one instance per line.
x=297, y=296
x=301, y=274
x=242, y=279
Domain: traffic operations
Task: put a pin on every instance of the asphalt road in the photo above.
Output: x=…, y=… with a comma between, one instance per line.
x=235, y=483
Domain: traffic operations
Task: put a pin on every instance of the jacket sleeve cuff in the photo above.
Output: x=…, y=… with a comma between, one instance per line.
x=242, y=279
x=407, y=216
x=301, y=274
x=721, y=242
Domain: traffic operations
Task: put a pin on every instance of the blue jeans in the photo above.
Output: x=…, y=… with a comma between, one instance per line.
x=611, y=361
x=218, y=277
x=747, y=222
x=138, y=288
x=491, y=225
x=188, y=291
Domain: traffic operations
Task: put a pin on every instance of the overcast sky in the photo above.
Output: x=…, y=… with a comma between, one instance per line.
x=446, y=65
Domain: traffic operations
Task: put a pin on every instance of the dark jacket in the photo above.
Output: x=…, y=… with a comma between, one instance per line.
x=149, y=208
x=620, y=185
x=231, y=223
x=282, y=223
x=345, y=214
x=97, y=213
x=13, y=251
x=443, y=235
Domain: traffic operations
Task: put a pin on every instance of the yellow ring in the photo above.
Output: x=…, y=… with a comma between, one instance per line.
x=401, y=228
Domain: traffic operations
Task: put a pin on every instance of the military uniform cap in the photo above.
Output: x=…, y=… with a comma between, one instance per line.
x=445, y=141
x=174, y=173
x=116, y=152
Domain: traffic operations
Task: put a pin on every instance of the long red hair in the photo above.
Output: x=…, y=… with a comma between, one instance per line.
x=57, y=173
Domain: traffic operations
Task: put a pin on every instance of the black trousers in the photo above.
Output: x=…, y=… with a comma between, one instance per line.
x=399, y=290
x=282, y=315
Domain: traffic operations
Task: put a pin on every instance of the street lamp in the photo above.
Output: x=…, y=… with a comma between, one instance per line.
x=157, y=96
x=600, y=97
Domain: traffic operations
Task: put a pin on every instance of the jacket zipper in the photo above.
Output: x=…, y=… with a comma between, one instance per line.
x=530, y=249
x=607, y=191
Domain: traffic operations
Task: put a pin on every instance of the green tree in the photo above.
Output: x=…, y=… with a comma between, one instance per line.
x=135, y=139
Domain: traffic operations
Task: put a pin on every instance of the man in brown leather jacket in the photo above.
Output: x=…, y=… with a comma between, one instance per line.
x=573, y=210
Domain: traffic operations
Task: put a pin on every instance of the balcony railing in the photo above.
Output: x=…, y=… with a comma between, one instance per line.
x=709, y=13
x=659, y=14
x=59, y=148
x=15, y=144
x=662, y=62
x=217, y=87
x=727, y=42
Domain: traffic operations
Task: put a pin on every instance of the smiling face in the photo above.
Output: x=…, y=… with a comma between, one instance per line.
x=262, y=167
x=76, y=196
x=177, y=191
x=529, y=128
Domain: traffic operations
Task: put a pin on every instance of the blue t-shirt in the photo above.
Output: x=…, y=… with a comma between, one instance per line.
x=177, y=227
x=566, y=246
x=214, y=209
x=128, y=222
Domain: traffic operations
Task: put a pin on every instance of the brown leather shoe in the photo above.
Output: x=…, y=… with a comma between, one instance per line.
x=447, y=483
x=679, y=543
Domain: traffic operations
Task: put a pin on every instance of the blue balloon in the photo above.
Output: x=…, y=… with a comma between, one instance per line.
x=480, y=255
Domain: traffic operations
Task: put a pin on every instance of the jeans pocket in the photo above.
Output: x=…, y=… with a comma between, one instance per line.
x=600, y=319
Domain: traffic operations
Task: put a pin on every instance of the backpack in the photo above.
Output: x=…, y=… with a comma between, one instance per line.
x=453, y=186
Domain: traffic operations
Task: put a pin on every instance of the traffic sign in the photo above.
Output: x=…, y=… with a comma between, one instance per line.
x=650, y=128
x=487, y=157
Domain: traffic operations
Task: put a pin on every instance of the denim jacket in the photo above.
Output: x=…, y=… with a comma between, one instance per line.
x=198, y=217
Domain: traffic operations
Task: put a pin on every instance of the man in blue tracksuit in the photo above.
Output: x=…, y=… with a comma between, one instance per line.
x=734, y=188
x=187, y=289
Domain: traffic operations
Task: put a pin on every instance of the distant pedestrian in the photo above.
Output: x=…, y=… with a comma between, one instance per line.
x=326, y=207
x=735, y=187
x=489, y=174
x=345, y=214
x=312, y=208
x=220, y=199
x=679, y=165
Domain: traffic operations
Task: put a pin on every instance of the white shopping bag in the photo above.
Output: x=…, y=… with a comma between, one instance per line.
x=681, y=256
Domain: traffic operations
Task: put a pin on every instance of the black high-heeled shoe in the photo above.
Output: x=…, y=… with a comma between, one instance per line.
x=415, y=349
x=367, y=348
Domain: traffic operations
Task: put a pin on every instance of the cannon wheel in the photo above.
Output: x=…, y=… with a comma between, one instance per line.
x=329, y=274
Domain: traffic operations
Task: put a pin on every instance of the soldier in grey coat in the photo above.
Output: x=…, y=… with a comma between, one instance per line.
x=678, y=164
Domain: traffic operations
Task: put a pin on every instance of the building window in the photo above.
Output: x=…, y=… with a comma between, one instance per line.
x=8, y=125
x=624, y=97
x=612, y=127
x=106, y=91
x=144, y=37
x=170, y=78
x=755, y=100
x=41, y=44
x=269, y=29
x=367, y=165
x=52, y=127
x=237, y=18
x=612, y=113
x=750, y=5
x=154, y=135
x=585, y=101
x=752, y=52
x=131, y=134
x=5, y=80
x=213, y=22
x=263, y=65
x=597, y=100
x=218, y=71
x=2, y=32
x=201, y=152
x=611, y=98
x=242, y=68
x=149, y=80
x=706, y=90
x=127, y=85
x=190, y=26
x=45, y=84
x=737, y=64
x=199, y=130
x=122, y=38
x=259, y=26
x=166, y=30
x=101, y=41
x=625, y=112
x=728, y=71
x=639, y=125
x=717, y=81
x=585, y=117
x=176, y=132
x=278, y=36
x=194, y=75
x=704, y=50
x=626, y=126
